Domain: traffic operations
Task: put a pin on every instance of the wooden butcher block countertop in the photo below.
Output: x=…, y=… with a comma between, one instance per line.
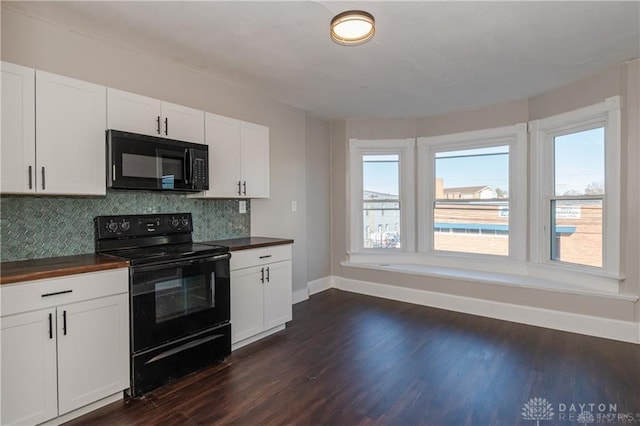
x=246, y=243
x=37, y=269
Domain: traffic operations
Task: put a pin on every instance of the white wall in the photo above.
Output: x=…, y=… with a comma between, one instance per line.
x=318, y=199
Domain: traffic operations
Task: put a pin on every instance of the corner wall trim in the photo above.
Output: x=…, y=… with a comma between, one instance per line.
x=565, y=321
x=321, y=284
x=300, y=295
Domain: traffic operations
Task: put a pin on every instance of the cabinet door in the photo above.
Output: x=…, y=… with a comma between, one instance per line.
x=133, y=113
x=277, y=295
x=222, y=134
x=29, y=368
x=182, y=123
x=247, y=306
x=93, y=350
x=70, y=135
x=18, y=149
x=255, y=159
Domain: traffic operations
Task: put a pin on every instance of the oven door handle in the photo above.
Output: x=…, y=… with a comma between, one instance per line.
x=168, y=265
x=183, y=347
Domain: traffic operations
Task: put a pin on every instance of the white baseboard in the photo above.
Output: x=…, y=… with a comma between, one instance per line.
x=565, y=321
x=248, y=340
x=86, y=409
x=321, y=284
x=300, y=295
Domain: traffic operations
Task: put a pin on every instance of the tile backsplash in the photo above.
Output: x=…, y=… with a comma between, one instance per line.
x=36, y=227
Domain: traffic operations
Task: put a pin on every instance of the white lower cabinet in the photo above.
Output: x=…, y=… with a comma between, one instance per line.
x=29, y=362
x=71, y=347
x=261, y=299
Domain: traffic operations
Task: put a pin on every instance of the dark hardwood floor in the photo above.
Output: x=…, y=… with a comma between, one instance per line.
x=348, y=359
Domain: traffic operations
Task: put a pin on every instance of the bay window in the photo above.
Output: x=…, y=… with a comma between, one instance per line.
x=472, y=193
x=576, y=187
x=487, y=201
x=381, y=203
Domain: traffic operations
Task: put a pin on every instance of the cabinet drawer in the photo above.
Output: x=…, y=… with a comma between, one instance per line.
x=39, y=294
x=259, y=256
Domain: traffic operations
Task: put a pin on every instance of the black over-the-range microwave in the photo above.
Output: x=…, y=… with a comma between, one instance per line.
x=147, y=162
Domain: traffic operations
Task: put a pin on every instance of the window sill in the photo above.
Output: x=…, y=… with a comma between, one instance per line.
x=512, y=276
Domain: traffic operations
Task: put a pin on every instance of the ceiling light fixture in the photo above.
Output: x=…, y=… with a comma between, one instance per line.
x=352, y=27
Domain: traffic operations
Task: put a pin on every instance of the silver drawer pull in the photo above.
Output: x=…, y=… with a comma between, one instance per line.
x=57, y=293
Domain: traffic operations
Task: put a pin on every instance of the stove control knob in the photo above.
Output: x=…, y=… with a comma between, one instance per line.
x=124, y=225
x=174, y=222
x=112, y=226
x=185, y=221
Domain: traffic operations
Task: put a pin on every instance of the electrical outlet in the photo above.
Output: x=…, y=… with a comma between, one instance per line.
x=242, y=205
x=294, y=206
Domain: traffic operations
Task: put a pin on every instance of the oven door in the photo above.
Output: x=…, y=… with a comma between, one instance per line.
x=174, y=300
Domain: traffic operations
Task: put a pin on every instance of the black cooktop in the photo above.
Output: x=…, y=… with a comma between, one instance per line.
x=168, y=253
x=151, y=238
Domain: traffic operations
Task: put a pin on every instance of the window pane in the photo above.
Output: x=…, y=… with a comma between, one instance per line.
x=579, y=163
x=576, y=231
x=471, y=212
x=380, y=176
x=381, y=224
x=381, y=205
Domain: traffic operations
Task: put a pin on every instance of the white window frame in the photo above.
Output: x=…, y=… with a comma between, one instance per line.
x=543, y=132
x=515, y=137
x=404, y=148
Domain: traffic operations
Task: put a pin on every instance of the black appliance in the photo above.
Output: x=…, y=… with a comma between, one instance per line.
x=153, y=163
x=179, y=295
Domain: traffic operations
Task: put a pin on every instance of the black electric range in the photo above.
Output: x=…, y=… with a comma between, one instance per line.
x=179, y=295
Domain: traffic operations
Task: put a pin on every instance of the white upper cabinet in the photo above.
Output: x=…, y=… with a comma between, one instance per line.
x=238, y=158
x=182, y=123
x=134, y=113
x=223, y=138
x=53, y=139
x=70, y=136
x=18, y=144
x=254, y=153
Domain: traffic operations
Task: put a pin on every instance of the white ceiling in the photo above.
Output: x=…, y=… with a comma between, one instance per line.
x=426, y=57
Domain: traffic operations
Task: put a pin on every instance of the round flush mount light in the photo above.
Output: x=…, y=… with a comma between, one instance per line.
x=352, y=27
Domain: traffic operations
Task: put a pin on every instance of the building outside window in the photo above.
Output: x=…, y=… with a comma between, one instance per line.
x=470, y=216
x=578, y=194
x=380, y=199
